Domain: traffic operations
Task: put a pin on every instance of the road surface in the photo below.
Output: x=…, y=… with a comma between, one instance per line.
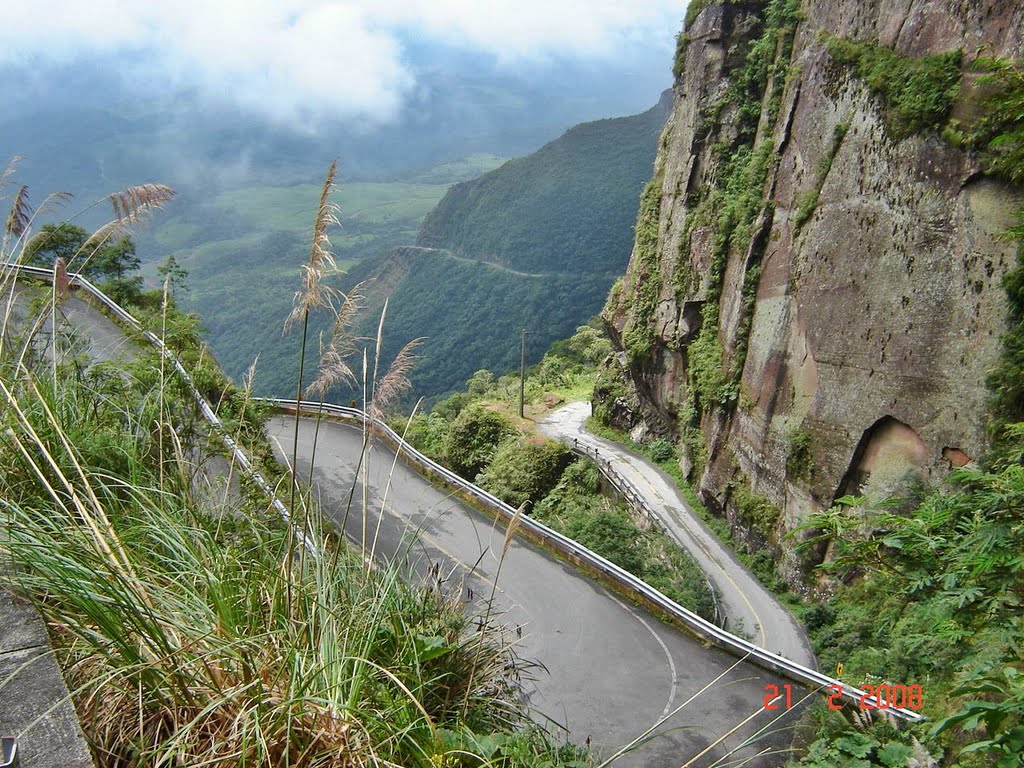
x=611, y=669
x=81, y=328
x=747, y=604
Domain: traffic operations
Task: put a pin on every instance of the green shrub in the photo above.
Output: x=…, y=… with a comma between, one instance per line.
x=1001, y=130
x=682, y=41
x=1000, y=133
x=582, y=477
x=480, y=382
x=638, y=336
x=754, y=509
x=452, y=406
x=427, y=433
x=611, y=534
x=661, y=450
x=799, y=458
x=706, y=364
x=808, y=201
x=693, y=439
x=473, y=439
x=693, y=9
x=523, y=471
x=916, y=94
x=608, y=388
x=929, y=595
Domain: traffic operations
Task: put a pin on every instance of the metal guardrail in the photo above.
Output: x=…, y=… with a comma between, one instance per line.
x=645, y=593
x=209, y=414
x=539, y=532
x=8, y=753
x=625, y=488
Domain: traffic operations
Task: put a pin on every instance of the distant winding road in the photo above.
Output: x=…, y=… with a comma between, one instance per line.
x=612, y=670
x=746, y=602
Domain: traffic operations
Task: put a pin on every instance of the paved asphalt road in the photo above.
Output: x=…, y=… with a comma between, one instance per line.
x=611, y=670
x=743, y=597
x=80, y=327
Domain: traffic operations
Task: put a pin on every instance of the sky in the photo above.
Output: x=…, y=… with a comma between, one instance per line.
x=313, y=60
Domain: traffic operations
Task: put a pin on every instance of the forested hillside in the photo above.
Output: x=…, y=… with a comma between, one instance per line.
x=568, y=207
x=534, y=244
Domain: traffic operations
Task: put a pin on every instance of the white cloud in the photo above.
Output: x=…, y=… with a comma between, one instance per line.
x=306, y=59
x=528, y=29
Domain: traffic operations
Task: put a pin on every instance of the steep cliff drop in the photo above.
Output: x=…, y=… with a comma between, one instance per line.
x=814, y=293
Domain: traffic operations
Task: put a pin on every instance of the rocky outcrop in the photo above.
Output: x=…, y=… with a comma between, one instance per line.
x=814, y=297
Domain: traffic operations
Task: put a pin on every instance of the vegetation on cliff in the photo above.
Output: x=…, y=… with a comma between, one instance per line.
x=645, y=276
x=729, y=211
x=916, y=94
x=1000, y=135
x=930, y=591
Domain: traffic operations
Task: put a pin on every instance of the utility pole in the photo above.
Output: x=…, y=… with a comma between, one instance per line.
x=522, y=373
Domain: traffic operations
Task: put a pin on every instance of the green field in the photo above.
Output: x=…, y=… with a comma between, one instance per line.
x=291, y=209
x=463, y=169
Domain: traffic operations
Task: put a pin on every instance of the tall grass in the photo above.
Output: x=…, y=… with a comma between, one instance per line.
x=184, y=636
x=181, y=645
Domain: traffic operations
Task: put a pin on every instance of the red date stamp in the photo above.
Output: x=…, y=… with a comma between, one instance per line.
x=870, y=697
x=881, y=697
x=772, y=696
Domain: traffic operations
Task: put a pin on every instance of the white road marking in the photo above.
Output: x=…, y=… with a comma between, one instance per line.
x=668, y=655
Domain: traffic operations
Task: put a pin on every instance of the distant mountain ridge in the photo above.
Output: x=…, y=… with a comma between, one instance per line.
x=556, y=200
x=533, y=244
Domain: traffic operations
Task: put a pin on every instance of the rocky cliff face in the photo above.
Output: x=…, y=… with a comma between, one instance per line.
x=814, y=294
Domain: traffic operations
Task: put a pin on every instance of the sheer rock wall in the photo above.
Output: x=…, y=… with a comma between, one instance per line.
x=858, y=338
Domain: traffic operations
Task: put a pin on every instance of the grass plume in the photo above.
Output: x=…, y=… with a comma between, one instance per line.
x=333, y=368
x=395, y=383
x=20, y=213
x=314, y=294
x=131, y=206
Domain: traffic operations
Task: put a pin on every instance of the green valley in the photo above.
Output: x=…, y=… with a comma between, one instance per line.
x=534, y=245
x=243, y=246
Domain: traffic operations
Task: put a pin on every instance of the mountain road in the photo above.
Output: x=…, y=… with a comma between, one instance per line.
x=610, y=670
x=748, y=605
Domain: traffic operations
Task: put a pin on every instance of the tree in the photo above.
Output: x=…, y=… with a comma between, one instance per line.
x=55, y=241
x=173, y=273
x=71, y=243
x=109, y=264
x=474, y=438
x=480, y=382
x=115, y=260
x=525, y=471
